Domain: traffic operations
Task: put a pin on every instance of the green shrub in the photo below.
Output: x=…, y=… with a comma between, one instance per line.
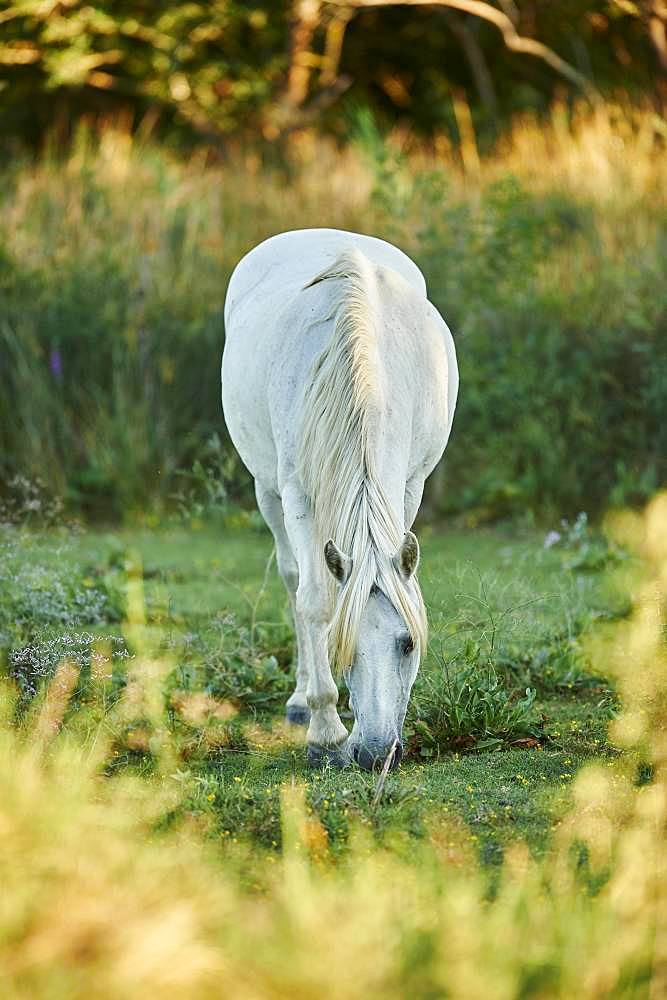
x=112, y=329
x=241, y=669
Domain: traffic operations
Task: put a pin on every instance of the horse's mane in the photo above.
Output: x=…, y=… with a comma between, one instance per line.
x=337, y=467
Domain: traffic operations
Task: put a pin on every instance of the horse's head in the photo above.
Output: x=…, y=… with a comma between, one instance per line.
x=385, y=663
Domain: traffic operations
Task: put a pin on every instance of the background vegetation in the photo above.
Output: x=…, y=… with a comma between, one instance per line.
x=548, y=262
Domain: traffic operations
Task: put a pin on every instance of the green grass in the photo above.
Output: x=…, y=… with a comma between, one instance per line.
x=216, y=608
x=162, y=834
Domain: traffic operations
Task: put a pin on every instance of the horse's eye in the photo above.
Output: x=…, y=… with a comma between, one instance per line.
x=406, y=645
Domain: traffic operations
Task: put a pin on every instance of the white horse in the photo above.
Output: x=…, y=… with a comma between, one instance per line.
x=339, y=382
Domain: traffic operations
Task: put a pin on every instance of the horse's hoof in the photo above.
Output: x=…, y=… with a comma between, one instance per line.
x=297, y=715
x=321, y=756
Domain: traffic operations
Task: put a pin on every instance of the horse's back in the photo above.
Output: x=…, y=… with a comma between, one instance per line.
x=277, y=269
x=277, y=324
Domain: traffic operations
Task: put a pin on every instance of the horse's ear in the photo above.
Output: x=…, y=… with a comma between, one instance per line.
x=406, y=559
x=338, y=564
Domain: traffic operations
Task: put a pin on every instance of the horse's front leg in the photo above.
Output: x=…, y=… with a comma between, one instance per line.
x=327, y=736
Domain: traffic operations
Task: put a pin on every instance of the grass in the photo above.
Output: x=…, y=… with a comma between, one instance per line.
x=157, y=838
x=497, y=599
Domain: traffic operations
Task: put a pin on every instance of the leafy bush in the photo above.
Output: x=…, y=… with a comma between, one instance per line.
x=203, y=489
x=247, y=665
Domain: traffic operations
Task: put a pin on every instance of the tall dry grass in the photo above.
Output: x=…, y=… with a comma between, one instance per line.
x=613, y=155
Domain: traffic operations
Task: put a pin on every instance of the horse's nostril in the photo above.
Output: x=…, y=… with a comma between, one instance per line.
x=355, y=754
x=398, y=754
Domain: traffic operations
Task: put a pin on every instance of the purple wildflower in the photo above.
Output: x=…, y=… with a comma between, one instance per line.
x=56, y=363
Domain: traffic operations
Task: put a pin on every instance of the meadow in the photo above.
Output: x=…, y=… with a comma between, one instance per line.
x=507, y=620
x=161, y=830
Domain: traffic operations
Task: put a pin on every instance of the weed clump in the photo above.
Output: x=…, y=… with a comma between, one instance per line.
x=461, y=704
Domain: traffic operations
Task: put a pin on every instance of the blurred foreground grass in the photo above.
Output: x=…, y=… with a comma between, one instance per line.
x=159, y=833
x=547, y=259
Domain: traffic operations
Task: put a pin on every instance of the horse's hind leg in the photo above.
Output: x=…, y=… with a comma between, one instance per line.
x=296, y=711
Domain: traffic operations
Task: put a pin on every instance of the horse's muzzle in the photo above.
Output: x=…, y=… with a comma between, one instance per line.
x=371, y=757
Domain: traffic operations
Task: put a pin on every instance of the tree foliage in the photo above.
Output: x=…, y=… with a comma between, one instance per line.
x=257, y=69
